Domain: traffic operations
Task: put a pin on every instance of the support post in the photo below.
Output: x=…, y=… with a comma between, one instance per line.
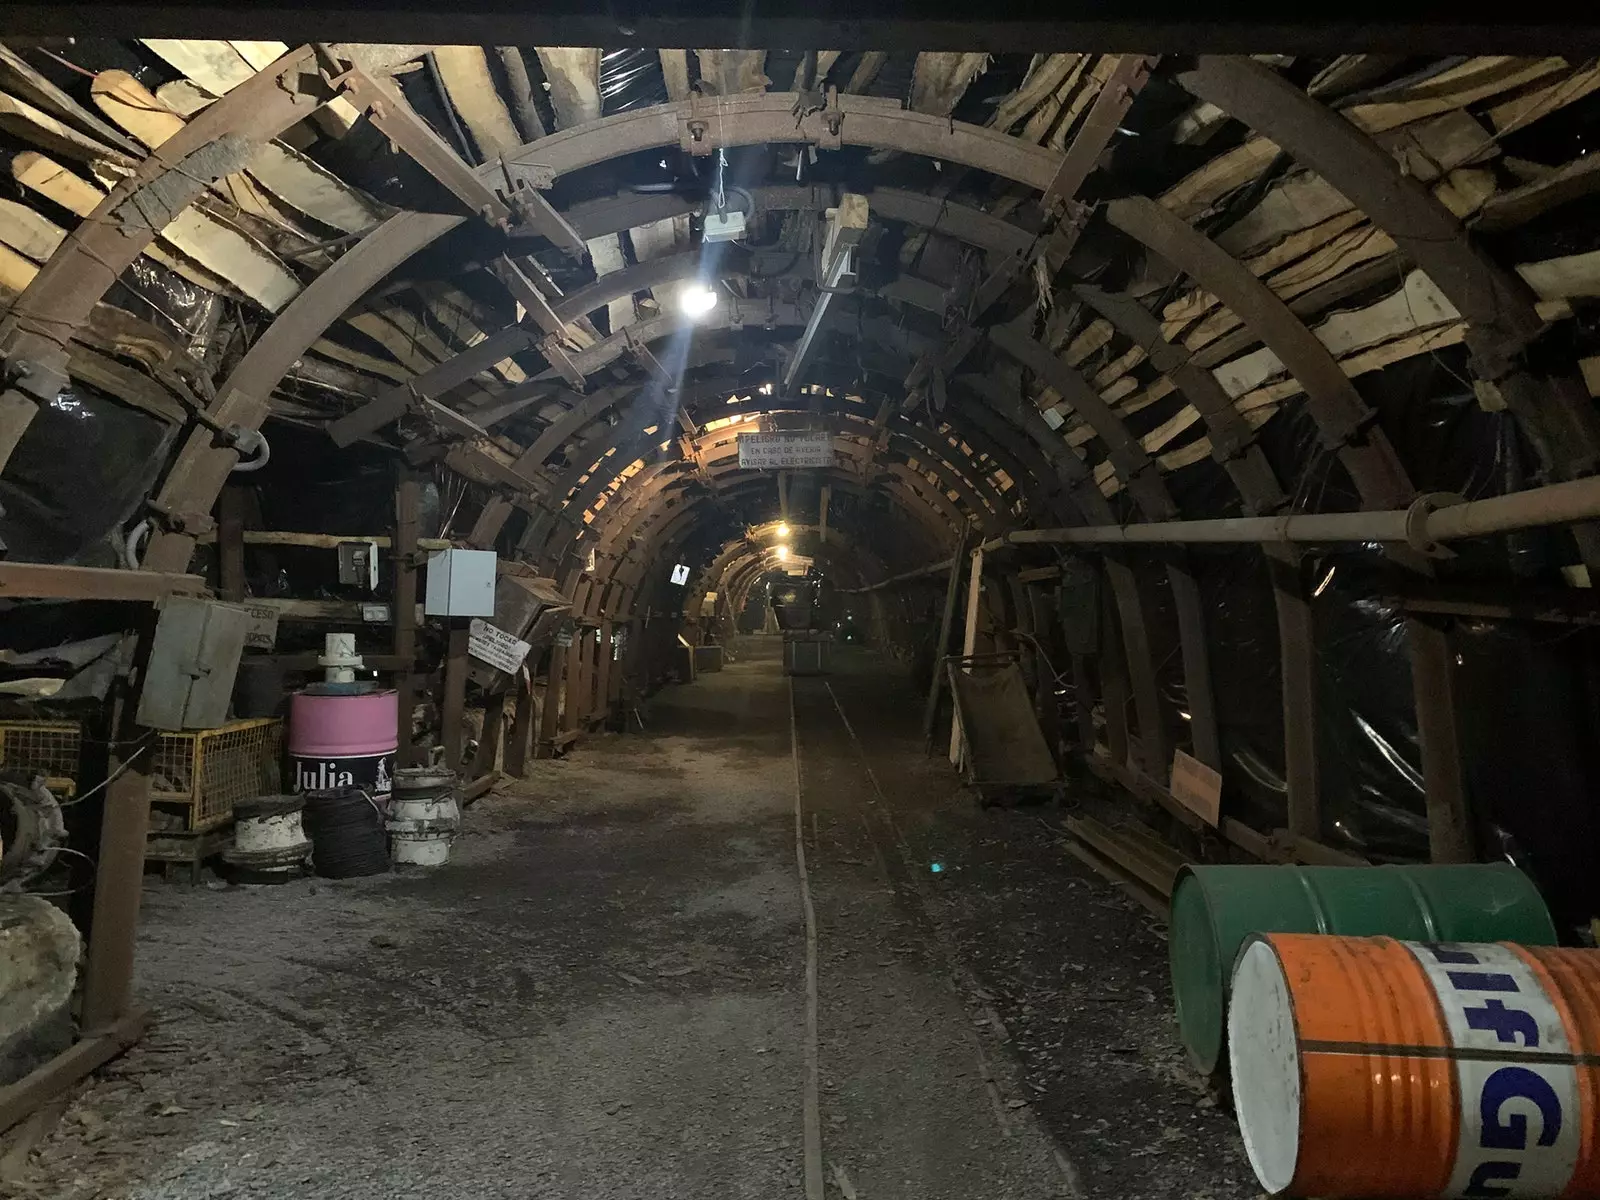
x=521, y=727
x=969, y=644
x=119, y=859
x=494, y=718
x=1083, y=685
x=230, y=544
x=572, y=718
x=603, y=665
x=952, y=592
x=1298, y=659
x=1114, y=686
x=454, y=709
x=1450, y=832
x=550, y=713
x=404, y=557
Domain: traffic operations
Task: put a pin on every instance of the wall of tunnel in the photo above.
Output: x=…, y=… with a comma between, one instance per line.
x=1094, y=290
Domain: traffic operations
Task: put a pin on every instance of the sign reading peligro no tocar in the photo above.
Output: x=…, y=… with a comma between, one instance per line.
x=785, y=451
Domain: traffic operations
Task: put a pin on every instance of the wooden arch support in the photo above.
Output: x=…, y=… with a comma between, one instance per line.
x=1556, y=413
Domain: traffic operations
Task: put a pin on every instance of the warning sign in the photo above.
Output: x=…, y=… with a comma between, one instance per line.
x=785, y=451
x=493, y=645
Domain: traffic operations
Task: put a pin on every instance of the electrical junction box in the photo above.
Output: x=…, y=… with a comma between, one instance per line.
x=723, y=226
x=193, y=659
x=358, y=564
x=460, y=584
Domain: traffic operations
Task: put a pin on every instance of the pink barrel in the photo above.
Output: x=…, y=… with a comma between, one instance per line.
x=343, y=740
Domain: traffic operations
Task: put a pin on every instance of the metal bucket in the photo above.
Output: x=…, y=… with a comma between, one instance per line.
x=1369, y=1067
x=424, y=816
x=1214, y=909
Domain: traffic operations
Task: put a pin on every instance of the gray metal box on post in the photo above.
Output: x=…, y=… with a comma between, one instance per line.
x=460, y=583
x=194, y=657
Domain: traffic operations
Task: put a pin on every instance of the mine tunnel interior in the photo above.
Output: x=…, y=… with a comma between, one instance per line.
x=753, y=622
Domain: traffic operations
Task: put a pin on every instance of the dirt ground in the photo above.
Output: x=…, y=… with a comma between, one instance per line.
x=603, y=995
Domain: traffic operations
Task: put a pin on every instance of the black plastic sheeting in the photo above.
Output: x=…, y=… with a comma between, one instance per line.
x=630, y=79
x=1529, y=698
x=81, y=471
x=1369, y=766
x=1246, y=680
x=167, y=299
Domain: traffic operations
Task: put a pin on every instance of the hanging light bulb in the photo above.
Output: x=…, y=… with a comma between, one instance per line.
x=783, y=529
x=782, y=553
x=696, y=300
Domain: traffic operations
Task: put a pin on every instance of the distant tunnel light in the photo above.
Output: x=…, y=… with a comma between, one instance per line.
x=783, y=529
x=782, y=553
x=696, y=299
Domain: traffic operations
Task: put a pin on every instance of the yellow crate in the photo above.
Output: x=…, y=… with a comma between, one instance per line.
x=204, y=772
x=48, y=748
x=210, y=770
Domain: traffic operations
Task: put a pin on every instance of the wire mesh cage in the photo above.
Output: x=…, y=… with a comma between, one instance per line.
x=202, y=774
x=48, y=748
x=209, y=771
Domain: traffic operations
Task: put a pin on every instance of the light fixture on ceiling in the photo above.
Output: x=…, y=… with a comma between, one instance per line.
x=783, y=529
x=696, y=299
x=783, y=553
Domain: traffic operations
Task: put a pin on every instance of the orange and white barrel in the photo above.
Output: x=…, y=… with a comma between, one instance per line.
x=1369, y=1067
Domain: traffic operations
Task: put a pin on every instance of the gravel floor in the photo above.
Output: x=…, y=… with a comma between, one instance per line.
x=603, y=994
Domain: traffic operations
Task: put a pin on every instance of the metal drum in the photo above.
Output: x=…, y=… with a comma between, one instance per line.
x=1214, y=909
x=424, y=815
x=1369, y=1067
x=344, y=735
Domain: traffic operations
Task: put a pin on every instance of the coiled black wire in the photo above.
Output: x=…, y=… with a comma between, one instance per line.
x=347, y=835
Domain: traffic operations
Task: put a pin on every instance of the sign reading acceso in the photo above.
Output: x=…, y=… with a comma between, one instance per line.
x=783, y=451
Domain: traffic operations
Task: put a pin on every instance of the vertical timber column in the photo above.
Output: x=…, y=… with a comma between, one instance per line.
x=404, y=556
x=619, y=669
x=1450, y=834
x=1114, y=682
x=572, y=716
x=454, y=709
x=947, y=618
x=550, y=713
x=1084, y=689
x=494, y=721
x=230, y=544
x=521, y=727
x=119, y=869
x=602, y=683
x=969, y=641
x=1298, y=657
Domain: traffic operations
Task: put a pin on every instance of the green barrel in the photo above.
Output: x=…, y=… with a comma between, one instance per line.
x=1215, y=908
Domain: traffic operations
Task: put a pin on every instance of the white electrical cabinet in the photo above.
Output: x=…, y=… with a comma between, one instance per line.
x=460, y=584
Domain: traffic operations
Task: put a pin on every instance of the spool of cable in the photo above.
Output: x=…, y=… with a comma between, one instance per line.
x=347, y=835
